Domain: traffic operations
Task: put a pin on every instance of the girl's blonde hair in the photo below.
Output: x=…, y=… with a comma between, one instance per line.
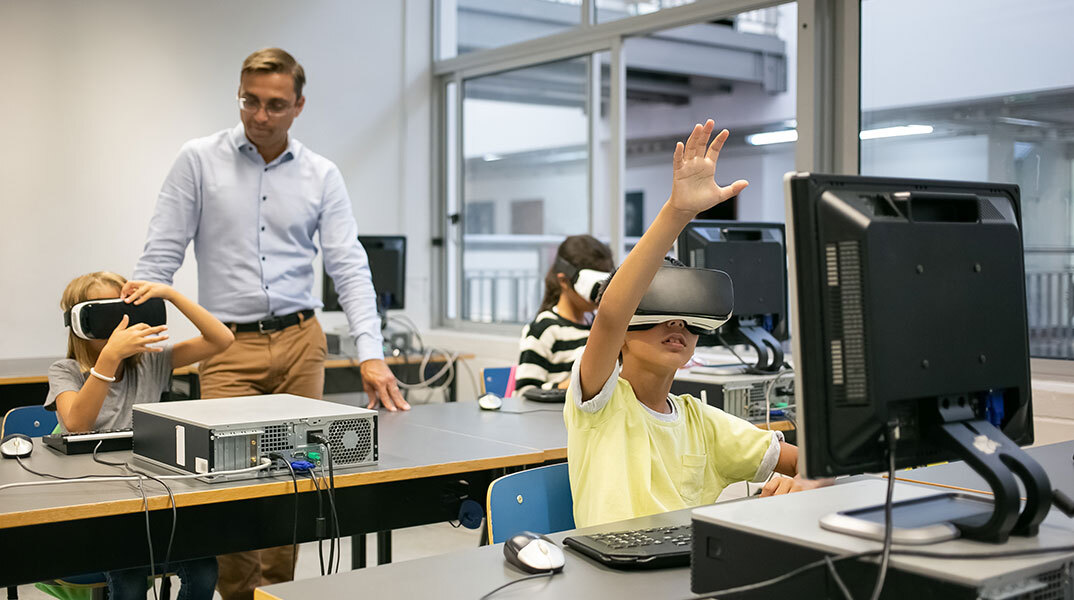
x=79, y=291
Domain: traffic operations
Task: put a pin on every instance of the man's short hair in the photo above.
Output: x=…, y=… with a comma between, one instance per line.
x=275, y=60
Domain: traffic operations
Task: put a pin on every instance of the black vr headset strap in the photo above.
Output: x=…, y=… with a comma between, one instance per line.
x=67, y=318
x=569, y=271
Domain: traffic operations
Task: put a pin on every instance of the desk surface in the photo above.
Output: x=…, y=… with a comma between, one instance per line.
x=1057, y=460
x=407, y=451
x=521, y=422
x=35, y=370
x=473, y=573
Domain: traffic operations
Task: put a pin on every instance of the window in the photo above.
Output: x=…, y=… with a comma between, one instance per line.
x=982, y=100
x=555, y=143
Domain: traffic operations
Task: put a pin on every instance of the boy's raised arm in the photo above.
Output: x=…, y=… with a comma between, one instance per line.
x=693, y=189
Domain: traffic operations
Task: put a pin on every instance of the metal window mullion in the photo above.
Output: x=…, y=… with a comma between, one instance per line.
x=460, y=187
x=592, y=137
x=438, y=196
x=828, y=103
x=598, y=34
x=616, y=146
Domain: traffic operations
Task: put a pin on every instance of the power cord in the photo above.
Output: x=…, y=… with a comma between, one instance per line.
x=893, y=438
x=319, y=528
x=323, y=441
x=171, y=499
x=294, y=531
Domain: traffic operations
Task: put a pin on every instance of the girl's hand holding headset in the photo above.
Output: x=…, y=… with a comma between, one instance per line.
x=128, y=341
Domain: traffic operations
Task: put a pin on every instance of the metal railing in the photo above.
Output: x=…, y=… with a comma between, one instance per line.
x=501, y=296
x=1050, y=312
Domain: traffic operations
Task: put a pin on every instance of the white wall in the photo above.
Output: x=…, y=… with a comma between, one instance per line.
x=99, y=96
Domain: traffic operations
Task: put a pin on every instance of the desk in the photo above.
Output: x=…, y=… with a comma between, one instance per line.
x=523, y=422
x=418, y=481
x=472, y=573
x=1057, y=460
x=24, y=381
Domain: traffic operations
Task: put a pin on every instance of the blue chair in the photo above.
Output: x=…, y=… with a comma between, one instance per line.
x=537, y=500
x=34, y=421
x=498, y=380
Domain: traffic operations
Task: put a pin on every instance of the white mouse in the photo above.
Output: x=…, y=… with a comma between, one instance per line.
x=16, y=445
x=533, y=553
x=490, y=402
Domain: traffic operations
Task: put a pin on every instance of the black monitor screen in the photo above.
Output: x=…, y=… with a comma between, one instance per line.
x=387, y=263
x=908, y=306
x=754, y=255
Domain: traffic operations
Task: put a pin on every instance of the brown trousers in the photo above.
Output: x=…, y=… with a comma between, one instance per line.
x=287, y=361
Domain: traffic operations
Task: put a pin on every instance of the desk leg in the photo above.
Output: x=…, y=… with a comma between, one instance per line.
x=358, y=551
x=384, y=547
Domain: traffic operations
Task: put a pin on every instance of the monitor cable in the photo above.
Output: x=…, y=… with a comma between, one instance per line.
x=294, y=530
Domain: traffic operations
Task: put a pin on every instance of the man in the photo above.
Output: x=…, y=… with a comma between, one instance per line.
x=252, y=198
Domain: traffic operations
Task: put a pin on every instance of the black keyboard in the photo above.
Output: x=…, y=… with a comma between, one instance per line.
x=84, y=442
x=653, y=548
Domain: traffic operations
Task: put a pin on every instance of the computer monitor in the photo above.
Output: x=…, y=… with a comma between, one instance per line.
x=387, y=264
x=909, y=310
x=754, y=255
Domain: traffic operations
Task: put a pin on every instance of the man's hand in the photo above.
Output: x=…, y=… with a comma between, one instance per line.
x=780, y=484
x=379, y=383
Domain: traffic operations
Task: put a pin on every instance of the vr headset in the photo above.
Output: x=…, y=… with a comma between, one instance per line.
x=97, y=319
x=703, y=298
x=586, y=282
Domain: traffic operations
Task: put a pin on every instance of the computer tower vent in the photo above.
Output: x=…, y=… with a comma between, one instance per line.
x=847, y=330
x=352, y=441
x=275, y=438
x=1056, y=584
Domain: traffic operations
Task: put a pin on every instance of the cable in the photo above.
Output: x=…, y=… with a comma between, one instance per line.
x=318, y=528
x=323, y=441
x=893, y=437
x=294, y=531
x=509, y=583
x=171, y=498
x=837, y=578
x=58, y=479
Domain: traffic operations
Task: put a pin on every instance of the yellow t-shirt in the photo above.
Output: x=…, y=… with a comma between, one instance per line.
x=627, y=461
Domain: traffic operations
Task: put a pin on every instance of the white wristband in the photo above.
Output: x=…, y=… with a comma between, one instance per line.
x=94, y=372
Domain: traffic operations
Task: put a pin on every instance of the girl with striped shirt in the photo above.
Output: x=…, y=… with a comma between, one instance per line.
x=555, y=338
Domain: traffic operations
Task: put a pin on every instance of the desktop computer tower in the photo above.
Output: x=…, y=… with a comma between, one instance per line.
x=741, y=395
x=227, y=434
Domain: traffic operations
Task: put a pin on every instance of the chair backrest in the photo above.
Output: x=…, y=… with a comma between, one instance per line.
x=498, y=380
x=34, y=421
x=537, y=500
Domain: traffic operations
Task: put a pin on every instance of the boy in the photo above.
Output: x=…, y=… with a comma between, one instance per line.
x=633, y=448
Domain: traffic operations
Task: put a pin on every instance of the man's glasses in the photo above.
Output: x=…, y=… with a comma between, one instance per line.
x=275, y=108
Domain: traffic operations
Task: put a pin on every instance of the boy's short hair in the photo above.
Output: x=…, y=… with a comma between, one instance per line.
x=668, y=260
x=275, y=60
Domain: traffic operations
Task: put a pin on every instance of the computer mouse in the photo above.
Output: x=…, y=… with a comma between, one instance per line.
x=490, y=402
x=533, y=553
x=16, y=445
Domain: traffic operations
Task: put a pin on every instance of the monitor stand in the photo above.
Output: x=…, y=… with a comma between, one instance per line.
x=769, y=350
x=994, y=457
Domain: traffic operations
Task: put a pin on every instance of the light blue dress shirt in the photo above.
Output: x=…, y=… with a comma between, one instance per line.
x=253, y=227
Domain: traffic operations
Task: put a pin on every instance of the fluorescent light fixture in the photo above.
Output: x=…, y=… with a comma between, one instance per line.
x=886, y=132
x=772, y=137
x=491, y=157
x=1023, y=122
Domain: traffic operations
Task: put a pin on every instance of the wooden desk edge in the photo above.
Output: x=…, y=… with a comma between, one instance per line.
x=331, y=363
x=260, y=594
x=259, y=490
